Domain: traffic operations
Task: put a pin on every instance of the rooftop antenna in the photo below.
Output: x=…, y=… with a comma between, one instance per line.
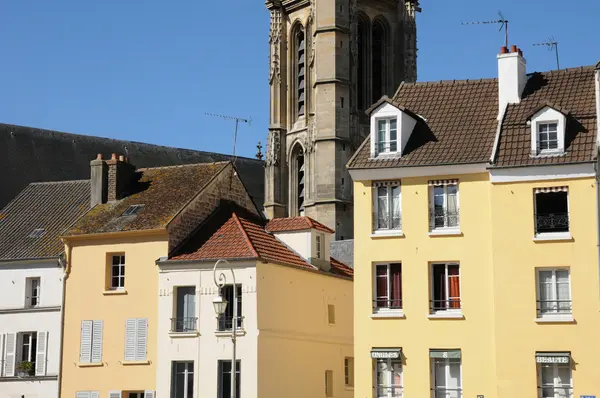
x=237, y=122
x=552, y=45
x=502, y=21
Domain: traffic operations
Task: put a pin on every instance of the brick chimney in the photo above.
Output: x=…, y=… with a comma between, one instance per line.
x=512, y=76
x=99, y=181
x=120, y=177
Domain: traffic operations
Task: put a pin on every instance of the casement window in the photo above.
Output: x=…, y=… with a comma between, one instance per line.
x=443, y=204
x=387, y=214
x=547, y=137
x=551, y=211
x=182, y=379
x=117, y=272
x=132, y=394
x=445, y=288
x=554, y=375
x=387, y=136
x=446, y=373
x=329, y=383
x=554, y=293
x=319, y=239
x=87, y=394
x=224, y=381
x=388, y=378
x=23, y=347
x=388, y=287
x=185, y=319
x=32, y=292
x=349, y=372
x=91, y=341
x=225, y=320
x=136, y=339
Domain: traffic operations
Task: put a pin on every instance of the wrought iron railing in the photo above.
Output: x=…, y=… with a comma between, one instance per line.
x=441, y=392
x=444, y=219
x=549, y=307
x=555, y=392
x=552, y=222
x=389, y=391
x=444, y=305
x=225, y=322
x=389, y=223
x=184, y=324
x=386, y=147
x=390, y=304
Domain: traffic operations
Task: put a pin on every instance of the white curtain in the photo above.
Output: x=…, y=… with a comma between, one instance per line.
x=562, y=290
x=396, y=221
x=382, y=208
x=546, y=291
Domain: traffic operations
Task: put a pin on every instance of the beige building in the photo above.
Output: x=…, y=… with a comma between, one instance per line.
x=329, y=60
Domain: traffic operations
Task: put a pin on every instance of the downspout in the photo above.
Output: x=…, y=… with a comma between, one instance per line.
x=64, y=262
x=596, y=166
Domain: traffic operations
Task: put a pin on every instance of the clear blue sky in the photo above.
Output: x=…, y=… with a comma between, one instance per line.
x=148, y=70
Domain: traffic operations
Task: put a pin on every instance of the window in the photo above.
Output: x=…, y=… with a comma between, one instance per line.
x=25, y=352
x=26, y=347
x=127, y=394
x=136, y=394
x=554, y=293
x=319, y=240
x=182, y=380
x=87, y=394
x=90, y=349
x=362, y=59
x=132, y=210
x=388, y=378
x=445, y=287
x=225, y=379
x=32, y=295
x=297, y=181
x=300, y=78
x=185, y=310
x=386, y=206
x=551, y=210
x=136, y=339
x=226, y=320
x=554, y=375
x=443, y=204
x=387, y=136
x=331, y=314
x=547, y=137
x=379, y=62
x=117, y=272
x=388, y=287
x=446, y=373
x=329, y=383
x=349, y=372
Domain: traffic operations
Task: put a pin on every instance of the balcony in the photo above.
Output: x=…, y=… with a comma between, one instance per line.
x=440, y=392
x=387, y=392
x=225, y=323
x=382, y=304
x=554, y=392
x=436, y=306
x=440, y=219
x=551, y=223
x=184, y=325
x=554, y=311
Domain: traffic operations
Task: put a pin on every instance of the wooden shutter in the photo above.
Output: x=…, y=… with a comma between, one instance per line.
x=94, y=394
x=41, y=356
x=130, y=339
x=141, y=339
x=150, y=394
x=9, y=354
x=96, y=355
x=114, y=394
x=85, y=348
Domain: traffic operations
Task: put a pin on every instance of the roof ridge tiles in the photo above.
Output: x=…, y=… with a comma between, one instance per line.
x=58, y=182
x=245, y=234
x=184, y=165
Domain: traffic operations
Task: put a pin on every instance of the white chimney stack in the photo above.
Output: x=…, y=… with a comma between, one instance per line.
x=512, y=76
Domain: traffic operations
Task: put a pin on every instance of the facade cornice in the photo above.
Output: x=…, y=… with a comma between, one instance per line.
x=416, y=171
x=29, y=310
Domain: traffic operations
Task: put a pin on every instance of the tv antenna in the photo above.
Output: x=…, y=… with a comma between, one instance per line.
x=237, y=122
x=552, y=45
x=502, y=21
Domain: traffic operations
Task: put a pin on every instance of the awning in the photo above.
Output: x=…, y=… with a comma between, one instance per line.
x=455, y=354
x=386, y=353
x=441, y=183
x=553, y=357
x=551, y=189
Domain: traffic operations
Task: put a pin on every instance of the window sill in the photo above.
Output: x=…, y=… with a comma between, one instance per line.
x=553, y=237
x=176, y=335
x=90, y=365
x=115, y=292
x=445, y=232
x=556, y=319
x=388, y=234
x=446, y=315
x=388, y=314
x=133, y=363
x=385, y=155
x=227, y=333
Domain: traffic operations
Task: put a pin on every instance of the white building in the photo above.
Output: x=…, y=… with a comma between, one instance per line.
x=31, y=285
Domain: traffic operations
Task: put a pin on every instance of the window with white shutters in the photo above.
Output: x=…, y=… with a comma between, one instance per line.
x=41, y=355
x=136, y=339
x=87, y=394
x=91, y=342
x=10, y=346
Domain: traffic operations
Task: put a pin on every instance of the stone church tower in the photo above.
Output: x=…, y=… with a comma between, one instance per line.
x=329, y=61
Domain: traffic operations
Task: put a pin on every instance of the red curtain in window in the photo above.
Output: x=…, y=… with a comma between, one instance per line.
x=382, y=294
x=453, y=286
x=396, y=285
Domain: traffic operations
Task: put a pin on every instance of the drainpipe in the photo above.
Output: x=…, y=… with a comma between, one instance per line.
x=596, y=166
x=64, y=262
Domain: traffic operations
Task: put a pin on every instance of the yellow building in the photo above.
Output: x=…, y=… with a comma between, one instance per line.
x=111, y=301
x=476, y=233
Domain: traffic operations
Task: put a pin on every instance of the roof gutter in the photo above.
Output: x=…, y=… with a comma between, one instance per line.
x=117, y=234
x=597, y=165
x=29, y=259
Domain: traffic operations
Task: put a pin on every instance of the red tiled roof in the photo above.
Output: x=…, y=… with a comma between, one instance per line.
x=296, y=224
x=339, y=268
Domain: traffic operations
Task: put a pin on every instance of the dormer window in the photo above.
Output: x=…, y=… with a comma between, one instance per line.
x=547, y=137
x=391, y=127
x=387, y=135
x=547, y=131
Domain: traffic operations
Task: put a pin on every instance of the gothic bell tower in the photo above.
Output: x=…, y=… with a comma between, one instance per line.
x=329, y=61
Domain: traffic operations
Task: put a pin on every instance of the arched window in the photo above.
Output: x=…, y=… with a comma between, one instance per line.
x=379, y=58
x=300, y=71
x=297, y=183
x=362, y=37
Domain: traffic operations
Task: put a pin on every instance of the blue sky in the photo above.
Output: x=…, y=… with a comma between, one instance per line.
x=148, y=70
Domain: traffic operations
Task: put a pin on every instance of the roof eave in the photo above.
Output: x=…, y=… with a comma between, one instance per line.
x=116, y=234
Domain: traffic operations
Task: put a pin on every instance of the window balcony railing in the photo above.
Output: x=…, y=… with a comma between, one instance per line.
x=556, y=392
x=387, y=304
x=551, y=222
x=182, y=325
x=393, y=223
x=440, y=392
x=444, y=219
x=387, y=392
x=554, y=307
x=444, y=305
x=225, y=322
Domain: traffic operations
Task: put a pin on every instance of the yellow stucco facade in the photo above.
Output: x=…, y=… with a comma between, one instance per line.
x=498, y=332
x=87, y=297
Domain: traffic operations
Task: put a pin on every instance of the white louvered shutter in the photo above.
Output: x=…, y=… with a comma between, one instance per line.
x=9, y=354
x=96, y=354
x=149, y=394
x=142, y=339
x=130, y=337
x=94, y=394
x=114, y=394
x=1, y=355
x=41, y=355
x=83, y=394
x=85, y=347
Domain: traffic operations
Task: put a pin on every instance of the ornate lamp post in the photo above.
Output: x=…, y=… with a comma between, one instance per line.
x=220, y=305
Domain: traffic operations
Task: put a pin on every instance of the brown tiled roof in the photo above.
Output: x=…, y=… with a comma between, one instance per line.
x=339, y=268
x=296, y=224
x=163, y=191
x=570, y=91
x=51, y=206
x=458, y=124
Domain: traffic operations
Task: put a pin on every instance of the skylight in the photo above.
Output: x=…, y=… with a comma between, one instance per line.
x=37, y=233
x=132, y=210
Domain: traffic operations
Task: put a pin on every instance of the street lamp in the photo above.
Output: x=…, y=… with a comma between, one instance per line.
x=220, y=305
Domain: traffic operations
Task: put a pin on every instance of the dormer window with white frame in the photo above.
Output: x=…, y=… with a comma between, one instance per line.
x=548, y=127
x=391, y=128
x=387, y=135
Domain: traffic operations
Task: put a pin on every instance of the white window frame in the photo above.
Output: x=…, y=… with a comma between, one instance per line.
x=446, y=228
x=551, y=235
x=556, y=385
x=31, y=355
x=539, y=133
x=375, y=224
x=386, y=310
x=547, y=115
x=390, y=378
x=446, y=289
x=553, y=316
x=31, y=293
x=319, y=241
x=388, y=140
x=121, y=275
x=349, y=372
x=186, y=375
x=446, y=376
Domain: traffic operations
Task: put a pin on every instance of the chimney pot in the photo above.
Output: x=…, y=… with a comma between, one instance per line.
x=99, y=157
x=503, y=50
x=520, y=52
x=121, y=158
x=513, y=49
x=114, y=156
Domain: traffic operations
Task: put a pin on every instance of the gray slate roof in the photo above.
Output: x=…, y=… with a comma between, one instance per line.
x=53, y=206
x=31, y=154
